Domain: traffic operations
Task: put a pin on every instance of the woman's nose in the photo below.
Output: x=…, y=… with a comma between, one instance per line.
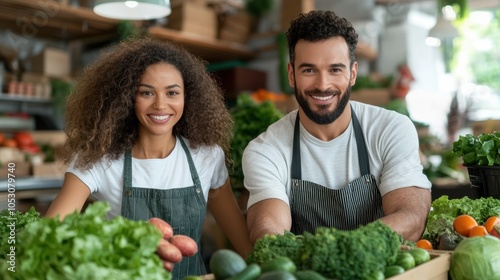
x=160, y=103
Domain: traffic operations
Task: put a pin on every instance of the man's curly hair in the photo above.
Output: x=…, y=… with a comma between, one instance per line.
x=100, y=114
x=320, y=25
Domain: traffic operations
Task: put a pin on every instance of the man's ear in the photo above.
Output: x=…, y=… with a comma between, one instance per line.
x=291, y=76
x=354, y=73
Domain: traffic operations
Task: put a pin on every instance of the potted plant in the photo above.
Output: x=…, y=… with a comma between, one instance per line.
x=481, y=156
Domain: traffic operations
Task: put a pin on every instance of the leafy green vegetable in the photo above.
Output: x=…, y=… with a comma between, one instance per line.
x=483, y=149
x=336, y=254
x=444, y=211
x=250, y=120
x=476, y=258
x=11, y=223
x=86, y=246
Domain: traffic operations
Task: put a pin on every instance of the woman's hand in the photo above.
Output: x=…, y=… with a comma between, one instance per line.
x=172, y=247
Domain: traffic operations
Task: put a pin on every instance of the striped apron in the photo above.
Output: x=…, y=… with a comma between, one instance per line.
x=313, y=205
x=183, y=208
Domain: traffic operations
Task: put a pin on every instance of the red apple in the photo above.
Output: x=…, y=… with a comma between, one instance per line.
x=496, y=231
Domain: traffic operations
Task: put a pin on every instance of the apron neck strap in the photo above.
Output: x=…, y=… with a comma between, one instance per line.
x=360, y=141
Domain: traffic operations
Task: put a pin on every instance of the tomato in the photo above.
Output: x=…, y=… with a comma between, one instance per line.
x=491, y=222
x=11, y=143
x=32, y=149
x=463, y=224
x=23, y=138
x=424, y=244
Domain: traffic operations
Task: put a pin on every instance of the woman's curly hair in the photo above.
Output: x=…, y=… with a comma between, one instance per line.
x=100, y=115
x=321, y=25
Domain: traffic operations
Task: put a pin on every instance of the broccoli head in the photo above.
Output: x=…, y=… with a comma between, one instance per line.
x=271, y=246
x=355, y=254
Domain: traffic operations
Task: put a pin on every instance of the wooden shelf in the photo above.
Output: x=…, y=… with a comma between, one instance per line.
x=51, y=20
x=208, y=48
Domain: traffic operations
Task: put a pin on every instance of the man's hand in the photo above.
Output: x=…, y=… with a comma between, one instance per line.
x=172, y=247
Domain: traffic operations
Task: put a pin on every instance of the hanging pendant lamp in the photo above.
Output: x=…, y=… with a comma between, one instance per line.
x=132, y=10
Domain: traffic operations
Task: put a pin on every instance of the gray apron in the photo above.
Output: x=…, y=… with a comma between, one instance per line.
x=313, y=205
x=183, y=208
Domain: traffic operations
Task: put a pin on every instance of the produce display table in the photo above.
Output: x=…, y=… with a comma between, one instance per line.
x=435, y=269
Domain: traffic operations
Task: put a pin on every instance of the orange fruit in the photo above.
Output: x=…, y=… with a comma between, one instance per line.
x=478, y=231
x=463, y=224
x=424, y=244
x=491, y=222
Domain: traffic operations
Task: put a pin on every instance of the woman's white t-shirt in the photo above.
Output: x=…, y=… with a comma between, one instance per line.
x=105, y=178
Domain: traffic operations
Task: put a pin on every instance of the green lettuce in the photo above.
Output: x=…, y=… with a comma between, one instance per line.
x=85, y=246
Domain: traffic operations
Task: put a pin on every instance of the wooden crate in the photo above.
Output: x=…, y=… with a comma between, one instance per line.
x=193, y=17
x=435, y=269
x=236, y=27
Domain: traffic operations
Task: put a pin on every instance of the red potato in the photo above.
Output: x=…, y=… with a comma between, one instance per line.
x=169, y=266
x=163, y=226
x=168, y=252
x=186, y=244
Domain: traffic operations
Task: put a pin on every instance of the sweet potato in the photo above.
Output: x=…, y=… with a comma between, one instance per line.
x=168, y=252
x=163, y=226
x=185, y=244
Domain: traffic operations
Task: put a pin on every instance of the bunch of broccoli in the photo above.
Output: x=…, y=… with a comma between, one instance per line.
x=276, y=245
x=336, y=254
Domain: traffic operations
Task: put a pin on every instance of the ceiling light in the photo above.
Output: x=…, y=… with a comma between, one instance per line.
x=132, y=10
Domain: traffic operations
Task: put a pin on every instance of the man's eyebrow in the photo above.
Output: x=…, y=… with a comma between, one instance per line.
x=334, y=65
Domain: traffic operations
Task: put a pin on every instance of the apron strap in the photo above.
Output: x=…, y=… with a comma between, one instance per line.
x=360, y=141
x=192, y=167
x=296, y=162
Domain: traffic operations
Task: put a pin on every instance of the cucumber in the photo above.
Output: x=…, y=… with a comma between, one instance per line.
x=277, y=275
x=377, y=275
x=308, y=275
x=420, y=255
x=392, y=270
x=279, y=264
x=405, y=260
x=251, y=272
x=226, y=263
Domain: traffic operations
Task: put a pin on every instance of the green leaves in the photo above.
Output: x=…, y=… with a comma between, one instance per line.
x=483, y=149
x=250, y=120
x=86, y=246
x=444, y=211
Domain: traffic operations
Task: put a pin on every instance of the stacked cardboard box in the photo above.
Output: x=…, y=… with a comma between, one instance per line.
x=193, y=16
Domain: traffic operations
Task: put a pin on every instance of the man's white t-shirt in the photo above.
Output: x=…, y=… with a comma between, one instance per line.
x=105, y=178
x=391, y=140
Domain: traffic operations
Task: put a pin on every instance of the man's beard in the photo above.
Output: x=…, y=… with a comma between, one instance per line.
x=323, y=116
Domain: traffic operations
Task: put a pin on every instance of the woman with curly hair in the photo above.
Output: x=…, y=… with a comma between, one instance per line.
x=148, y=131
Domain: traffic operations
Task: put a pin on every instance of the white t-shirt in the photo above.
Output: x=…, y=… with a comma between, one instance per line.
x=391, y=140
x=105, y=179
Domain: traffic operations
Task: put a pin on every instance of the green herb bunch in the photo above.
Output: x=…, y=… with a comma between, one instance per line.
x=483, y=149
x=250, y=120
